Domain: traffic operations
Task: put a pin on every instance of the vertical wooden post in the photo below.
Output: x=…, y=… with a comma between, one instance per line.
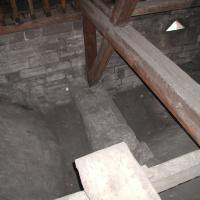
x=2, y=20
x=77, y=4
x=31, y=8
x=122, y=11
x=90, y=41
x=63, y=4
x=15, y=11
x=47, y=8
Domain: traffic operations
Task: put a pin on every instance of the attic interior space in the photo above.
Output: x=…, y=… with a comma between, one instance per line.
x=82, y=79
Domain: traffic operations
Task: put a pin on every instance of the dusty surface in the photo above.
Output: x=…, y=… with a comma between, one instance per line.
x=66, y=123
x=166, y=139
x=37, y=154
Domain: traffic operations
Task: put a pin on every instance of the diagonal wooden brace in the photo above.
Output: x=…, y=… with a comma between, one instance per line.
x=97, y=64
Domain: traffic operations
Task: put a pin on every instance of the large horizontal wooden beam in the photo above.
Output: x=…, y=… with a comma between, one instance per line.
x=157, y=6
x=70, y=15
x=178, y=92
x=154, y=6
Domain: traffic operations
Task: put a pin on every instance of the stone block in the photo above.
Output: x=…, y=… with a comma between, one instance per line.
x=57, y=28
x=35, y=61
x=30, y=72
x=55, y=77
x=33, y=33
x=51, y=57
x=78, y=25
x=14, y=67
x=3, y=79
x=114, y=174
x=13, y=77
x=66, y=66
x=76, y=196
x=198, y=39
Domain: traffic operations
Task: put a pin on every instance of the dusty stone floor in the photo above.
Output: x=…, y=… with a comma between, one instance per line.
x=37, y=152
x=166, y=139
x=66, y=123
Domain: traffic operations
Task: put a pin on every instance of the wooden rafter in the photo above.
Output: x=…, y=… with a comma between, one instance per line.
x=120, y=15
x=63, y=4
x=15, y=12
x=2, y=20
x=154, y=6
x=38, y=23
x=178, y=91
x=122, y=11
x=47, y=7
x=31, y=8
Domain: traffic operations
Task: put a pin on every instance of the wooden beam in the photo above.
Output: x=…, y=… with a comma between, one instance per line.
x=71, y=15
x=122, y=11
x=47, y=8
x=156, y=6
x=103, y=7
x=15, y=12
x=77, y=4
x=63, y=4
x=2, y=17
x=103, y=56
x=177, y=90
x=120, y=15
x=90, y=42
x=31, y=8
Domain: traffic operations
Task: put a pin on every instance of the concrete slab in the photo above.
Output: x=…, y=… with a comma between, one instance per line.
x=174, y=172
x=76, y=196
x=114, y=174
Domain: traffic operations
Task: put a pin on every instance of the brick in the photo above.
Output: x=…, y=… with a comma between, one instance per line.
x=37, y=71
x=48, y=47
x=58, y=67
x=10, y=68
x=35, y=61
x=113, y=173
x=12, y=77
x=55, y=77
x=78, y=61
x=78, y=25
x=198, y=39
x=3, y=79
x=48, y=58
x=57, y=28
x=13, y=38
x=33, y=33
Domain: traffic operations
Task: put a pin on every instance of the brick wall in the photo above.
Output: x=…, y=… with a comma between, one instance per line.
x=182, y=46
x=34, y=64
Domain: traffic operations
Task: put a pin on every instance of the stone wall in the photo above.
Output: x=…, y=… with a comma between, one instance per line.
x=34, y=64
x=182, y=46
